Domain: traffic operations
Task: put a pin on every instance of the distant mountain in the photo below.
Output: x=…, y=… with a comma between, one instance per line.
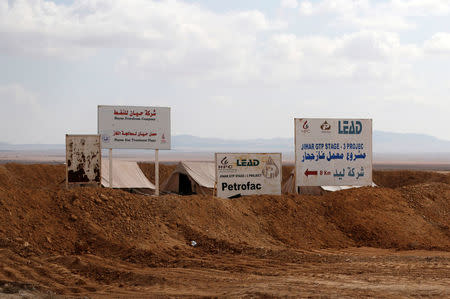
x=383, y=142
x=30, y=147
x=387, y=142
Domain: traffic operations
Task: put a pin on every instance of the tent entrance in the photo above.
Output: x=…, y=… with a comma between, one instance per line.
x=195, y=177
x=185, y=186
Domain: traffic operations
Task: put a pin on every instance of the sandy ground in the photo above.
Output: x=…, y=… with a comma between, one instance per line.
x=387, y=242
x=352, y=272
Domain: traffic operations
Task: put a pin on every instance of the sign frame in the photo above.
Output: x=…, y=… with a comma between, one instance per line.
x=275, y=158
x=340, y=134
x=141, y=124
x=98, y=154
x=128, y=114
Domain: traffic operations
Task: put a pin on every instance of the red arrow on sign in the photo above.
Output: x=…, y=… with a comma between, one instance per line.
x=310, y=172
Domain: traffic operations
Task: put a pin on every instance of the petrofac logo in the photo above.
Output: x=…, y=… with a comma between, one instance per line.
x=270, y=170
x=306, y=127
x=325, y=126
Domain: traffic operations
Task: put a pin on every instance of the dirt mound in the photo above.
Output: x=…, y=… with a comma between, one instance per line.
x=116, y=223
x=43, y=220
x=44, y=223
x=380, y=217
x=112, y=222
x=431, y=201
x=40, y=176
x=400, y=178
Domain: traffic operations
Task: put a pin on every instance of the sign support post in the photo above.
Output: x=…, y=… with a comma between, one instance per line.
x=156, y=172
x=67, y=168
x=110, y=169
x=296, y=189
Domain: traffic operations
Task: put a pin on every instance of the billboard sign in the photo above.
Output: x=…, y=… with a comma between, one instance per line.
x=134, y=127
x=83, y=159
x=248, y=173
x=333, y=152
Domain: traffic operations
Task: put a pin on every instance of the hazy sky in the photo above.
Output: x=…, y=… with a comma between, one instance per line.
x=231, y=69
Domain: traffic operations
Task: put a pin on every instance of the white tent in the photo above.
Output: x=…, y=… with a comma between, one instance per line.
x=191, y=178
x=289, y=187
x=126, y=175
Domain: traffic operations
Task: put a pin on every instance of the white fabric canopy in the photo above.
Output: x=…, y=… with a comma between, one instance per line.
x=338, y=188
x=204, y=173
x=289, y=186
x=126, y=174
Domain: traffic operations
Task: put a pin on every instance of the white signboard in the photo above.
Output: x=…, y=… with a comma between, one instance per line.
x=134, y=127
x=333, y=152
x=246, y=174
x=83, y=159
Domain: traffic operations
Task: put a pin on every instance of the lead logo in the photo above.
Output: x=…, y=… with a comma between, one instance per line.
x=349, y=127
x=249, y=162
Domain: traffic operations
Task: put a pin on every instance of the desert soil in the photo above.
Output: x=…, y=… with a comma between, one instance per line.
x=392, y=241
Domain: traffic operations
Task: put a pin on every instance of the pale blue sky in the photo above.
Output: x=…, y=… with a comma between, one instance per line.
x=231, y=69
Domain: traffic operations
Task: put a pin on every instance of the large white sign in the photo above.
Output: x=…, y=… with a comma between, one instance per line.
x=333, y=152
x=134, y=127
x=246, y=174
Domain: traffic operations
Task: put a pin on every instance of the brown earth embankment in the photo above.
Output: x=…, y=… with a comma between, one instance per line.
x=40, y=219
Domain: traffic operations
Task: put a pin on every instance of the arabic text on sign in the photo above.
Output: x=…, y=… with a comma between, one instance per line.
x=319, y=155
x=134, y=113
x=141, y=134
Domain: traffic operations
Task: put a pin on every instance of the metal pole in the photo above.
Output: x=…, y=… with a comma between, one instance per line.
x=67, y=167
x=110, y=169
x=156, y=172
x=295, y=154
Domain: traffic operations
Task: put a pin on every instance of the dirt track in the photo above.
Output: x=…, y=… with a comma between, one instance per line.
x=390, y=241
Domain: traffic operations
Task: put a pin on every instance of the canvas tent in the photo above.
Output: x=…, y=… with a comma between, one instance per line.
x=289, y=187
x=126, y=175
x=191, y=178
